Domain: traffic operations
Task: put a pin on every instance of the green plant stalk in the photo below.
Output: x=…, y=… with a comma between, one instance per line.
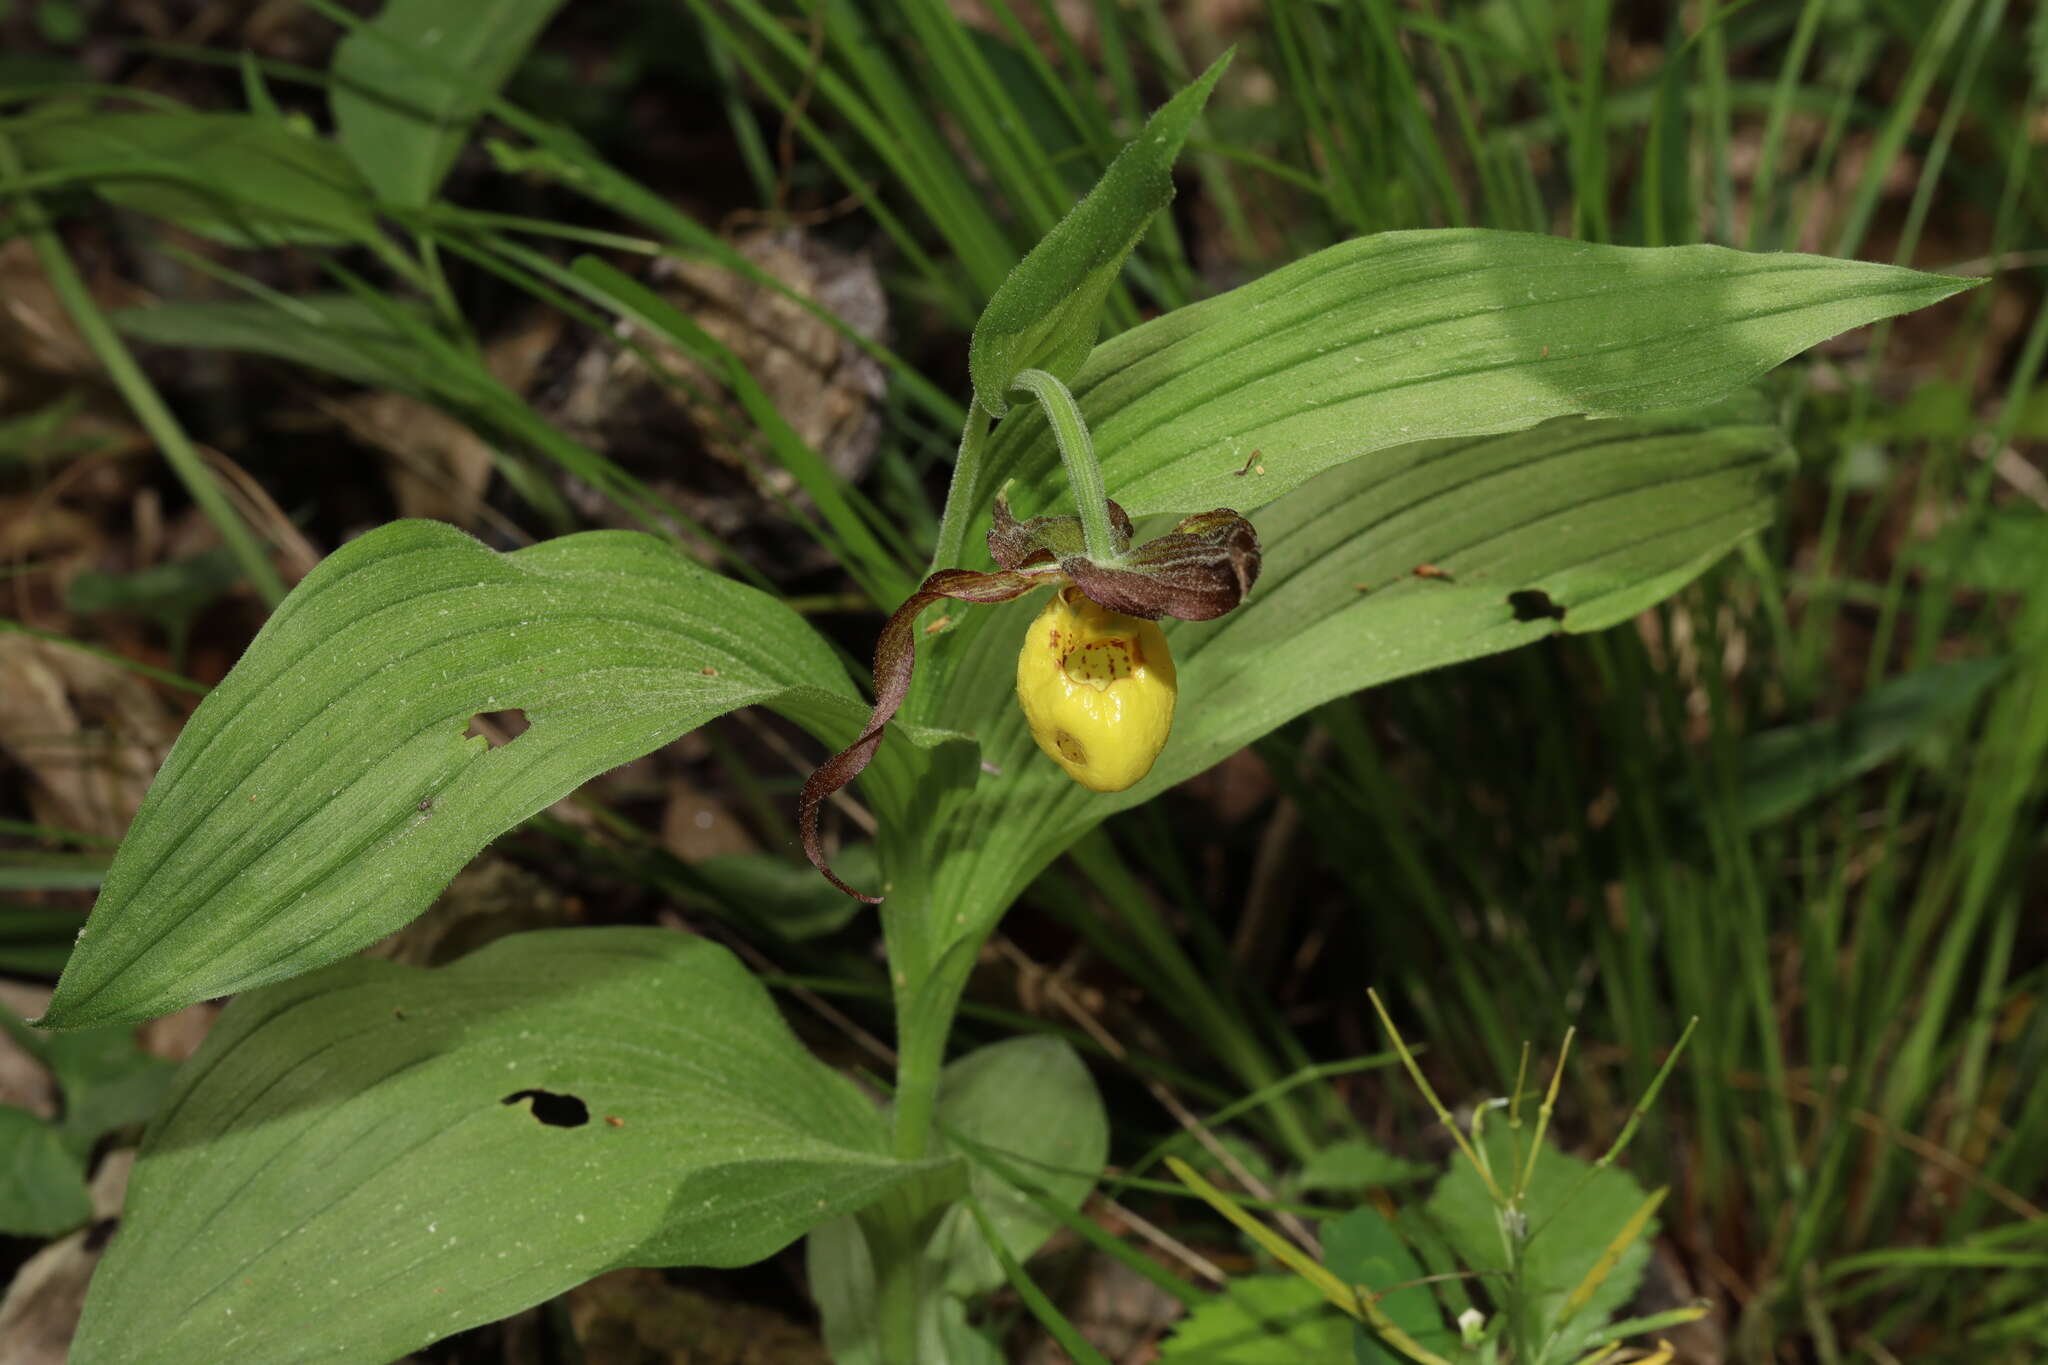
x=1077, y=452
x=962, y=493
x=926, y=1004
x=927, y=988
x=895, y=1249
x=136, y=390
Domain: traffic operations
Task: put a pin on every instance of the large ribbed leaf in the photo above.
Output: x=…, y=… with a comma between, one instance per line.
x=1409, y=336
x=1571, y=526
x=325, y=792
x=368, y=1158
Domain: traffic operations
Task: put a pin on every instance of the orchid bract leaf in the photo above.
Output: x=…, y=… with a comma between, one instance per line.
x=1045, y=314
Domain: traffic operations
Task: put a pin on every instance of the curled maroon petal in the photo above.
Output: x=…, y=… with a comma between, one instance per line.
x=1018, y=544
x=1197, y=571
x=895, y=663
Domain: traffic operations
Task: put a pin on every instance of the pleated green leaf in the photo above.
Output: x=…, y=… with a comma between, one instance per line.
x=326, y=791
x=369, y=1158
x=1410, y=336
x=1571, y=526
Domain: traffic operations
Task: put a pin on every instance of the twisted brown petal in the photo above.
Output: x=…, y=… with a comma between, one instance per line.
x=1197, y=571
x=1018, y=544
x=895, y=662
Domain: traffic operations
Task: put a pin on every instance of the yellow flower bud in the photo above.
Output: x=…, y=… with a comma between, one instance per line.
x=1097, y=688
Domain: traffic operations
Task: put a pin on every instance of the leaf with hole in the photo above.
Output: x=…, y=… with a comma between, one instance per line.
x=408, y=84
x=366, y=1159
x=326, y=790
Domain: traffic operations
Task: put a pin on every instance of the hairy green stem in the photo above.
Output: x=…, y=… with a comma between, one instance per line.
x=928, y=995
x=919, y=1060
x=925, y=1006
x=1077, y=452
x=961, y=493
x=134, y=386
x=895, y=1249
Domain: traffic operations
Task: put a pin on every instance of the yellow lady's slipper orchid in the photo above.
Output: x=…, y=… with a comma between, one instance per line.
x=1096, y=684
x=1097, y=687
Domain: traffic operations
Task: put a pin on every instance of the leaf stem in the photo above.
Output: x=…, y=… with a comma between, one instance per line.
x=961, y=494
x=134, y=386
x=927, y=1000
x=894, y=1249
x=1077, y=451
x=919, y=1063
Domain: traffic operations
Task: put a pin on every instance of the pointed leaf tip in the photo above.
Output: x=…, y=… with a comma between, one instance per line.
x=1045, y=312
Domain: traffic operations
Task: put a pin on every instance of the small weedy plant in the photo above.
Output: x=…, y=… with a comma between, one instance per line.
x=1552, y=1246
x=365, y=1157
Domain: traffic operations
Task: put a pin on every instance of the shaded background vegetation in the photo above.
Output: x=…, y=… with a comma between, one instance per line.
x=1801, y=801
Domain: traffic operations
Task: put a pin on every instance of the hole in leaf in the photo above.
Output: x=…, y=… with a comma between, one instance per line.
x=556, y=1111
x=498, y=727
x=1534, y=604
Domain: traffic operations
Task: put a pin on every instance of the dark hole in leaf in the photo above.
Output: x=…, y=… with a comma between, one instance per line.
x=101, y=1232
x=1534, y=604
x=556, y=1111
x=498, y=727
